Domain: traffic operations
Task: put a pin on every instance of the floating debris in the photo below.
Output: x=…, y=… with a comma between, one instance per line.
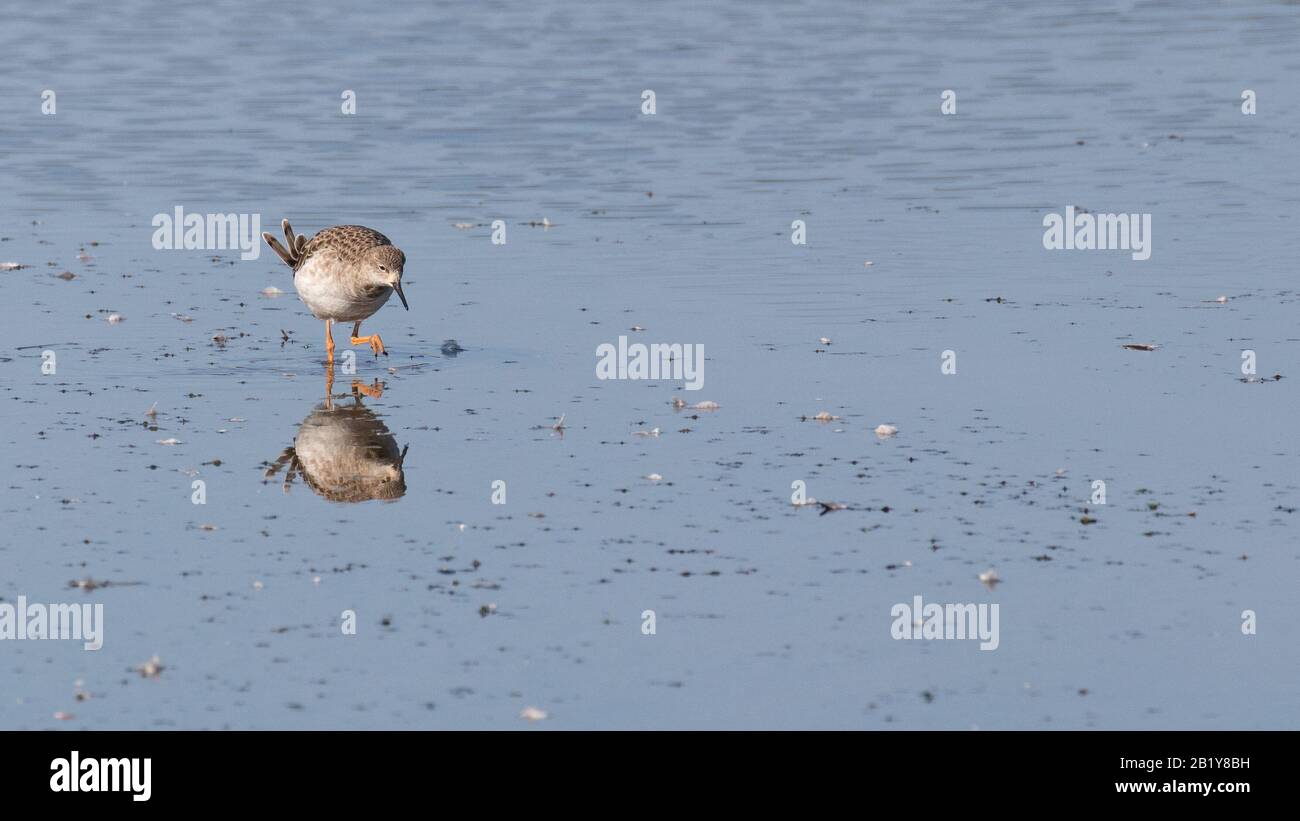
x=451, y=347
x=113, y=319
x=706, y=406
x=151, y=668
x=989, y=578
x=868, y=264
x=559, y=424
x=66, y=276
x=462, y=226
x=651, y=432
x=824, y=416
x=885, y=431
x=152, y=413
x=183, y=317
x=655, y=477
x=487, y=610
x=169, y=441
x=831, y=507
x=678, y=403
x=88, y=584
x=532, y=714
x=1134, y=346
x=11, y=266
x=824, y=341
x=272, y=291
x=62, y=716
x=636, y=328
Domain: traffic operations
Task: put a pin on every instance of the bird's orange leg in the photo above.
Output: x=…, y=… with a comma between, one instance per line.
x=329, y=343
x=374, y=391
x=376, y=344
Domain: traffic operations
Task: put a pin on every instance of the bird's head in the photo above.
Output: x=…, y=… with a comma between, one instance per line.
x=385, y=265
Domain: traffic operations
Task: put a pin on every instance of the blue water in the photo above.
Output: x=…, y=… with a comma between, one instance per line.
x=767, y=614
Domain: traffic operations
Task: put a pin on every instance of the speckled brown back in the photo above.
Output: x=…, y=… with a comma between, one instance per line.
x=349, y=242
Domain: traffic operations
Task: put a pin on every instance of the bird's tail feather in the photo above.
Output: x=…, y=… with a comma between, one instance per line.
x=296, y=243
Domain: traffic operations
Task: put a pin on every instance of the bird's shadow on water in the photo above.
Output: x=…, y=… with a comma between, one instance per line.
x=343, y=451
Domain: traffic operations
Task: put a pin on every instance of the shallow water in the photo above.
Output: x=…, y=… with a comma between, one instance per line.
x=767, y=614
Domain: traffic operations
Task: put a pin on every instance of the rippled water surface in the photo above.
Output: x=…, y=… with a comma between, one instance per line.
x=767, y=614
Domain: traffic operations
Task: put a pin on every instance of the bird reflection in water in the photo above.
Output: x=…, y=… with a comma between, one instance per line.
x=343, y=451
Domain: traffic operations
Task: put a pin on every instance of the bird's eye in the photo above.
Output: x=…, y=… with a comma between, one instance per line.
x=382, y=268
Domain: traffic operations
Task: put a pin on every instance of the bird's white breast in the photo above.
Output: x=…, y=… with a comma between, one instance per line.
x=331, y=291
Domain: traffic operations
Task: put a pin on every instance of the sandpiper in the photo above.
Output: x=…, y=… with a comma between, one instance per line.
x=343, y=274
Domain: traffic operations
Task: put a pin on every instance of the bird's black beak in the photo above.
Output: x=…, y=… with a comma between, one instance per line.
x=398, y=288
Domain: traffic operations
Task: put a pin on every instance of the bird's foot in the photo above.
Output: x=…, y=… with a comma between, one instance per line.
x=376, y=344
